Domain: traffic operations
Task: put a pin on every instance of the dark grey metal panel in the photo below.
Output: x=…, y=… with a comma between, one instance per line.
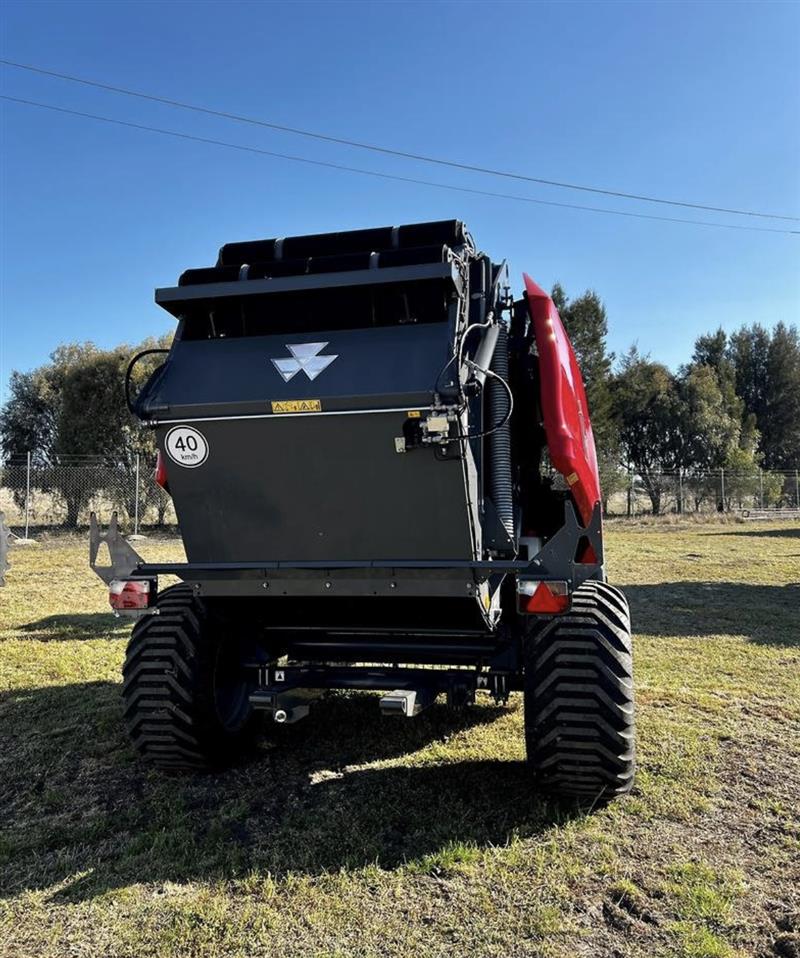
x=432, y=617
x=318, y=488
x=328, y=587
x=175, y=299
x=480, y=570
x=389, y=366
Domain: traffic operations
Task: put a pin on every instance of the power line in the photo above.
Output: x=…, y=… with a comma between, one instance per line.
x=387, y=176
x=387, y=150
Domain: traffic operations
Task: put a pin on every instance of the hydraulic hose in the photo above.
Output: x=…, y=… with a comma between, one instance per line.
x=499, y=440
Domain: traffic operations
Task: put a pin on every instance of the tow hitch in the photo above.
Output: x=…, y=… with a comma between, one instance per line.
x=287, y=692
x=285, y=706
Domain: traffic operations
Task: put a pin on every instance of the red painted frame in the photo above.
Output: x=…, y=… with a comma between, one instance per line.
x=564, y=407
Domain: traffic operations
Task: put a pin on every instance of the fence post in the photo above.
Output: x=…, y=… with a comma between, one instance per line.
x=136, y=500
x=722, y=485
x=630, y=491
x=760, y=488
x=28, y=495
x=797, y=487
x=680, y=492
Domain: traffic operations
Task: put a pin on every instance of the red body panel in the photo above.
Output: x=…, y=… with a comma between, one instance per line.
x=566, y=413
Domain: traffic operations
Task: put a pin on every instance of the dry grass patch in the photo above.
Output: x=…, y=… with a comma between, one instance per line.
x=354, y=835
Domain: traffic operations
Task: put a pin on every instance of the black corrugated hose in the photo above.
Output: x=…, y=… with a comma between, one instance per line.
x=499, y=440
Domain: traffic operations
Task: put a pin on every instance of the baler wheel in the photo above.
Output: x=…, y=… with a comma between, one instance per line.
x=185, y=696
x=579, y=708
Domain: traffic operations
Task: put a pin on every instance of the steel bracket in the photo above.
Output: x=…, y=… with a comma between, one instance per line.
x=556, y=559
x=125, y=560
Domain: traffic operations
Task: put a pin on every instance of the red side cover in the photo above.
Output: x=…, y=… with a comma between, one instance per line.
x=566, y=414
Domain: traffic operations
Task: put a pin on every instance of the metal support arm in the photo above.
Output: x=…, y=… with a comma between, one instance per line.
x=125, y=560
x=556, y=559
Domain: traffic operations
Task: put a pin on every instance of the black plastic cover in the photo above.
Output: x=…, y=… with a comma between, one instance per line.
x=443, y=232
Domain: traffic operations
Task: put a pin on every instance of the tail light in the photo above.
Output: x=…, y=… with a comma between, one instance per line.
x=161, y=472
x=126, y=595
x=543, y=598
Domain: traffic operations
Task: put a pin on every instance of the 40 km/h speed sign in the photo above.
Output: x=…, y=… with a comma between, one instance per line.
x=186, y=446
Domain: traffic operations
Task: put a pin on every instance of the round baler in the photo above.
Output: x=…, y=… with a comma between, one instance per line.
x=384, y=473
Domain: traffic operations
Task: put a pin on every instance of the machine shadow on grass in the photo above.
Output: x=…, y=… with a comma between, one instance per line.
x=80, y=625
x=785, y=532
x=765, y=614
x=77, y=802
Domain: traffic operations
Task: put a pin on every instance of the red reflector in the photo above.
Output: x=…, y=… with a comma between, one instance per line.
x=129, y=594
x=548, y=598
x=587, y=554
x=161, y=472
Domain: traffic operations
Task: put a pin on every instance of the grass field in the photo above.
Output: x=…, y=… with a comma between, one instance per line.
x=353, y=835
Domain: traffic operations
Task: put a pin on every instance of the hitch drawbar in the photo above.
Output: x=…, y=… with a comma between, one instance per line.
x=287, y=692
x=286, y=707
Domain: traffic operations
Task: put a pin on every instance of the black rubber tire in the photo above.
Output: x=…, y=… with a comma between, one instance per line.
x=184, y=692
x=579, y=707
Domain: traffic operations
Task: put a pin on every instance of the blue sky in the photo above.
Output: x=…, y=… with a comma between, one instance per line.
x=699, y=102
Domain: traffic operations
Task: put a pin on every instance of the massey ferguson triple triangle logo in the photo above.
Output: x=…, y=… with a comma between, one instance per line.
x=305, y=356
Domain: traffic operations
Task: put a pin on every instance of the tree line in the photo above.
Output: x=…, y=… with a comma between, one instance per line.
x=735, y=406
x=71, y=416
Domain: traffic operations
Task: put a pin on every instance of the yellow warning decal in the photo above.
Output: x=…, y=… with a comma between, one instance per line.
x=414, y=414
x=297, y=405
x=572, y=478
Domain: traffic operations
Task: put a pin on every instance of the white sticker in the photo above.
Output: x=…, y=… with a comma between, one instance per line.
x=186, y=446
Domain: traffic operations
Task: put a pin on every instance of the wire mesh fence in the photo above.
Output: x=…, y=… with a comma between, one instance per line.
x=685, y=492
x=62, y=494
